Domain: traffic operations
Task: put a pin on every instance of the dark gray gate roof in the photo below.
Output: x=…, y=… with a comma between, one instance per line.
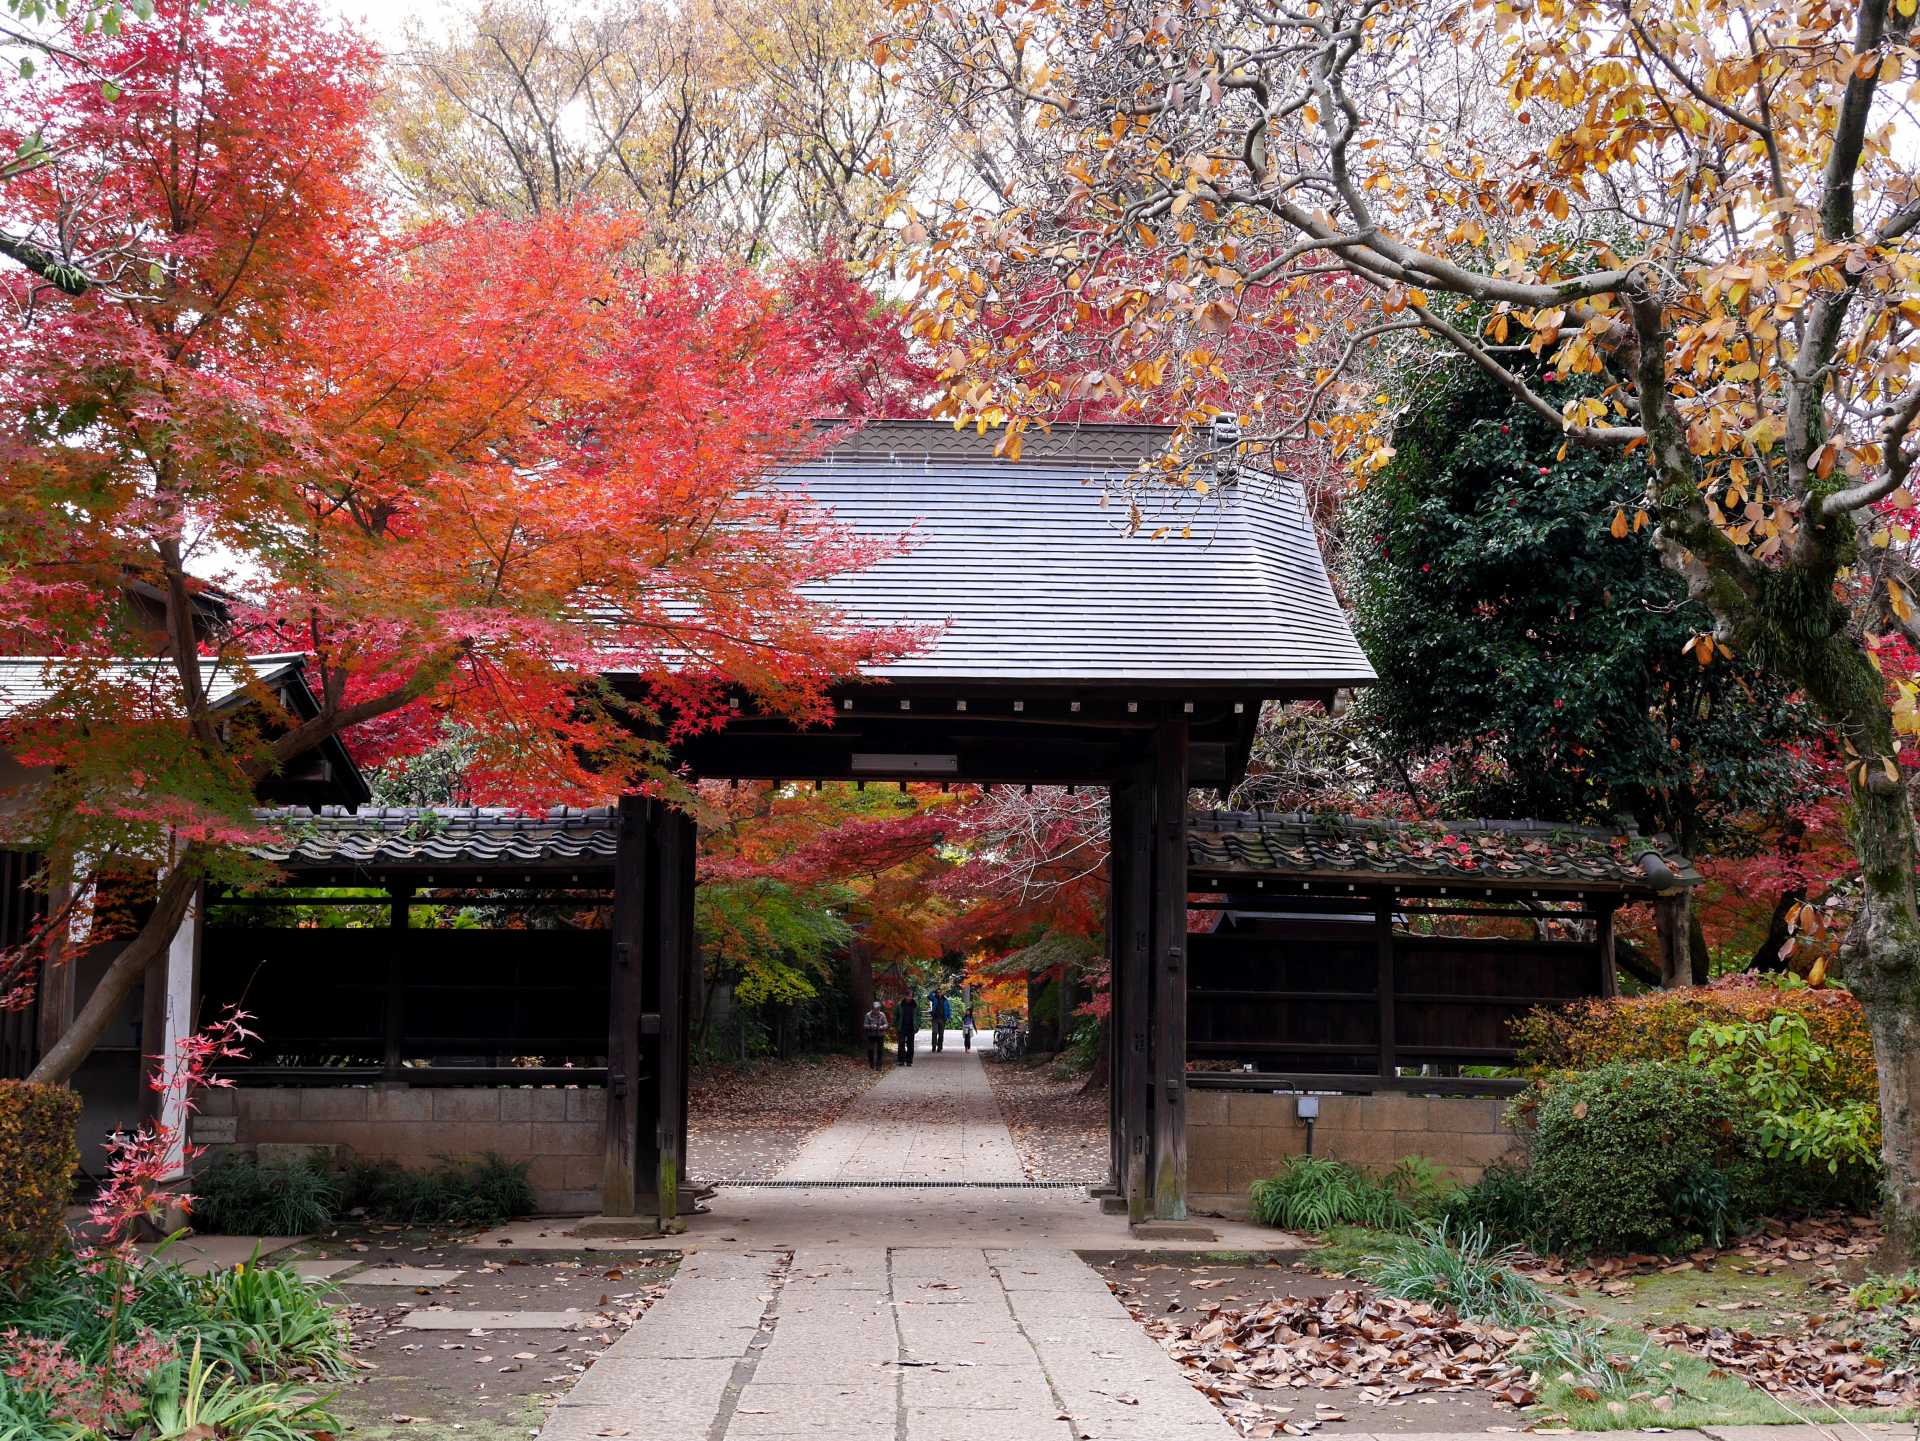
x=1035, y=574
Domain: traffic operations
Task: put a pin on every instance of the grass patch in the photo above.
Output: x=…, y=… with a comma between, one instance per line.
x=1605, y=1397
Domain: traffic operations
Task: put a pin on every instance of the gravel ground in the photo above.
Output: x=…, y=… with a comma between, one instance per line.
x=745, y=1122
x=497, y=1385
x=1059, y=1129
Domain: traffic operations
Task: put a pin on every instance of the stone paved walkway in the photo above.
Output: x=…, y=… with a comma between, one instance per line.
x=866, y=1341
x=912, y=1344
x=885, y=1135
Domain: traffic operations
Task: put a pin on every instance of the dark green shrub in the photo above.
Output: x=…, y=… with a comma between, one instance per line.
x=480, y=1193
x=236, y=1196
x=1506, y=1203
x=38, y=1157
x=1615, y=1150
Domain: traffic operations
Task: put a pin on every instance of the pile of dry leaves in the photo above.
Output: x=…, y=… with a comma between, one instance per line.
x=1059, y=1127
x=1380, y=1347
x=1824, y=1242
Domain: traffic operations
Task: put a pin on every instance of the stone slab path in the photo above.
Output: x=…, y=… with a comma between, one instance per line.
x=912, y=1344
x=856, y=1338
x=891, y=1132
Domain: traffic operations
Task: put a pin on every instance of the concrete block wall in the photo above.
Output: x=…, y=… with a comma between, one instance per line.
x=559, y=1132
x=1236, y=1137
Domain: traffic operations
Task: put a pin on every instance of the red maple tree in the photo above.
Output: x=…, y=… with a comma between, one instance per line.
x=465, y=471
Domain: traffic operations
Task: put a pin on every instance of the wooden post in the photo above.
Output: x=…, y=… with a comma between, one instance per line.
x=1131, y=860
x=1383, y=934
x=674, y=848
x=689, y=977
x=397, y=913
x=1169, y=979
x=1672, y=922
x=620, y=1186
x=1603, y=930
x=1116, y=994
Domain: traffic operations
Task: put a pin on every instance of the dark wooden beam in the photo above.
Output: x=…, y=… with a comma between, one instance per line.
x=1169, y=978
x=400, y=902
x=1131, y=862
x=1383, y=936
x=675, y=851
x=621, y=1186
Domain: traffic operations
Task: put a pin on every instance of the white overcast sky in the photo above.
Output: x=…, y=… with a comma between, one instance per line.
x=385, y=21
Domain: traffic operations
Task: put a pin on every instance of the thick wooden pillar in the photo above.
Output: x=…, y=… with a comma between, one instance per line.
x=1130, y=861
x=622, y=1185
x=1672, y=918
x=1169, y=976
x=674, y=849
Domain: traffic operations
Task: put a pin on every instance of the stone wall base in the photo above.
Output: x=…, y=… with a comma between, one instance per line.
x=1235, y=1138
x=559, y=1132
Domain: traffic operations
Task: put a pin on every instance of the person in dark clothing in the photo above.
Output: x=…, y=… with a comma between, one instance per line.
x=906, y=1017
x=966, y=1029
x=875, y=1026
x=937, y=1014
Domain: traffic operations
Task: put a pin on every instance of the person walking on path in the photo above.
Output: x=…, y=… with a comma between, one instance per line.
x=875, y=1026
x=906, y=1017
x=966, y=1029
x=937, y=1013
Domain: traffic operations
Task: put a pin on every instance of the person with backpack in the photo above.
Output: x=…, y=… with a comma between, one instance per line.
x=937, y=1014
x=906, y=1018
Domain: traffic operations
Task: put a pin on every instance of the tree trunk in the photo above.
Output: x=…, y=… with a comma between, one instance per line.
x=1880, y=954
x=177, y=889
x=1101, y=1076
x=1699, y=958
x=860, y=982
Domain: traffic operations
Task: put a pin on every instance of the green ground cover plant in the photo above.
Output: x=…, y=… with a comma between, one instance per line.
x=100, y=1350
x=1316, y=1193
x=239, y=1196
x=1466, y=1271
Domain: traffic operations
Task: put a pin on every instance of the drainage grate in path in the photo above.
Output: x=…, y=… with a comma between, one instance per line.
x=900, y=1185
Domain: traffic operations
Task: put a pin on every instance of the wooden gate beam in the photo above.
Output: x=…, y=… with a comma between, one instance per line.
x=621, y=1186
x=1168, y=1076
x=1132, y=923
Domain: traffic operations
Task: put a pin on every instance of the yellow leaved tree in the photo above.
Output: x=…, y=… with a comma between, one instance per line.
x=1703, y=213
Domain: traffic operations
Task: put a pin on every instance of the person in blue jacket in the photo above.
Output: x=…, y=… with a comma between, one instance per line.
x=937, y=1013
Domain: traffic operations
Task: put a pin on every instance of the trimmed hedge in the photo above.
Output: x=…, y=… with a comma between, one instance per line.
x=39, y=1154
x=1655, y=1026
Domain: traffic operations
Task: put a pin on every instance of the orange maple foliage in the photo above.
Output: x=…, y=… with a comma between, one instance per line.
x=465, y=471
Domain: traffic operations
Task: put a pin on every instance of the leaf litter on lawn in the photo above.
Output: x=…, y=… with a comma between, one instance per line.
x=1835, y=1367
x=1380, y=1347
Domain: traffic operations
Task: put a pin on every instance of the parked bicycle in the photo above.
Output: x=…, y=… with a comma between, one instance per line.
x=1010, y=1036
